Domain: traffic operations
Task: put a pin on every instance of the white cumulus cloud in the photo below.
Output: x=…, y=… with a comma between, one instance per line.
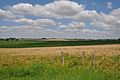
x=79, y=20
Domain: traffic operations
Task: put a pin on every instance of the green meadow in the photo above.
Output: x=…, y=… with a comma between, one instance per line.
x=38, y=43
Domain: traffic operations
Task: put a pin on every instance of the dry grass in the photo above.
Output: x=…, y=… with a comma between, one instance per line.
x=44, y=51
x=45, y=63
x=24, y=56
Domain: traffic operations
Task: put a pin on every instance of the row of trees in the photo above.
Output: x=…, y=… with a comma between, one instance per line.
x=9, y=39
x=16, y=39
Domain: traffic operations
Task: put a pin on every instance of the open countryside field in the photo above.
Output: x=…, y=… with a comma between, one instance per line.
x=44, y=63
x=59, y=39
x=53, y=43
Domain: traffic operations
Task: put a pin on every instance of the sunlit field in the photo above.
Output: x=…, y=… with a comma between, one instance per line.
x=59, y=39
x=45, y=63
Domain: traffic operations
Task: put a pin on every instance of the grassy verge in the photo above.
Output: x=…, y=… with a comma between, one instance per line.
x=50, y=68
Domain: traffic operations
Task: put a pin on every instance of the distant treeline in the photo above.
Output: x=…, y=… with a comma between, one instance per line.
x=17, y=39
x=9, y=39
x=99, y=39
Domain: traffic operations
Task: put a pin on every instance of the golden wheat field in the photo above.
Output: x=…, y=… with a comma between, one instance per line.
x=46, y=63
x=24, y=56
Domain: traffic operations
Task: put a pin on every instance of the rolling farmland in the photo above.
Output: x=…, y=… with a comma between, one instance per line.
x=59, y=39
x=53, y=43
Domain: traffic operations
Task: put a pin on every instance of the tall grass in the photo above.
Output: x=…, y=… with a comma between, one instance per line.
x=51, y=68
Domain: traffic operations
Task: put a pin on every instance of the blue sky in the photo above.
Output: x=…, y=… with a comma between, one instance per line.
x=99, y=5
x=61, y=18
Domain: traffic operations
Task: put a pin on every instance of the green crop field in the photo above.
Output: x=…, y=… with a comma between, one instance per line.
x=36, y=43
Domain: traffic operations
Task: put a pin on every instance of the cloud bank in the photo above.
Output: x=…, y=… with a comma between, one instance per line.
x=66, y=19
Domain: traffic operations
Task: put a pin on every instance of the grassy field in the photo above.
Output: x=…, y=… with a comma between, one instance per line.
x=45, y=63
x=37, y=43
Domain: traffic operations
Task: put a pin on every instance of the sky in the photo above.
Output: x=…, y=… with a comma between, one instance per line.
x=86, y=19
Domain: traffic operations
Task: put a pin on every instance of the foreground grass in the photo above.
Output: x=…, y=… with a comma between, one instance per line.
x=35, y=43
x=50, y=68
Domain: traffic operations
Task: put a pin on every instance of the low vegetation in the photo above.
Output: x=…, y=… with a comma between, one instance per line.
x=17, y=43
x=45, y=63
